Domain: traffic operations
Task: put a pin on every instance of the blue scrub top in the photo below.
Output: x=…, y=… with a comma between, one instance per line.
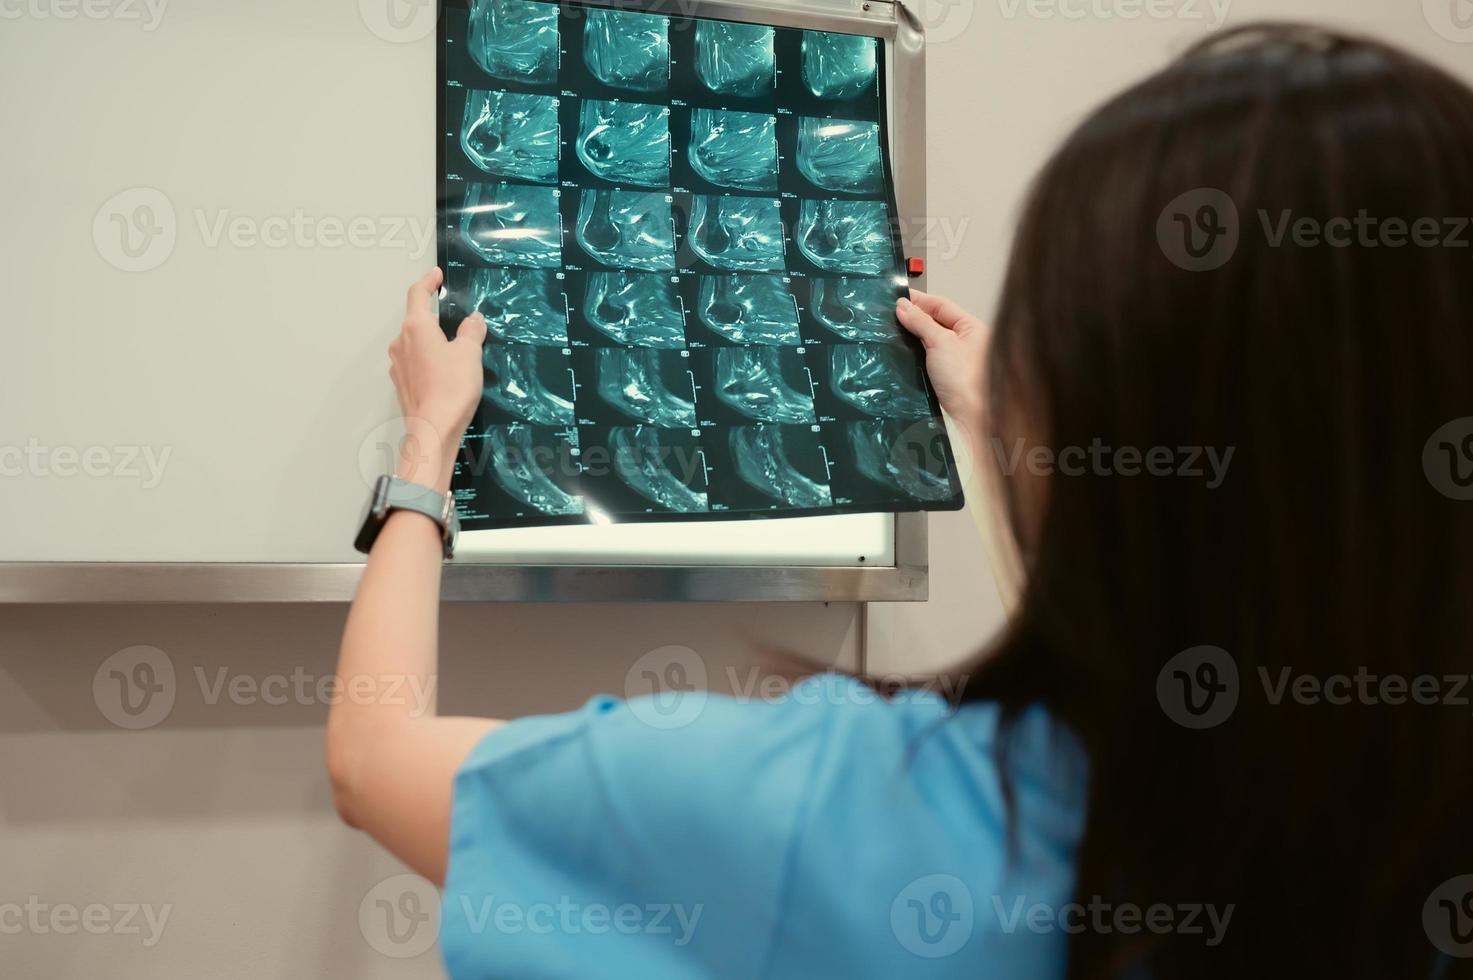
x=828, y=834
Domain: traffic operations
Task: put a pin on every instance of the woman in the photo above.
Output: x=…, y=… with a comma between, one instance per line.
x=1089, y=808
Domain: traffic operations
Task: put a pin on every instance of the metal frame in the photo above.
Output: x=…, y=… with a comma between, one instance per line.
x=114, y=582
x=906, y=580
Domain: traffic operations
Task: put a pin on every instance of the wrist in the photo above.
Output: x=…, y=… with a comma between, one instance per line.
x=968, y=416
x=968, y=421
x=426, y=457
x=434, y=474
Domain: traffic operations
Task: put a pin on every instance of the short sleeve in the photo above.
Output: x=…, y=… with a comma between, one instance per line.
x=688, y=838
x=605, y=843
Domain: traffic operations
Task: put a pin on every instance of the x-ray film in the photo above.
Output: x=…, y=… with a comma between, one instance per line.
x=627, y=141
x=682, y=234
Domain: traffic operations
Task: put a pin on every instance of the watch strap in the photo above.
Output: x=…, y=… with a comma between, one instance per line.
x=393, y=493
x=438, y=507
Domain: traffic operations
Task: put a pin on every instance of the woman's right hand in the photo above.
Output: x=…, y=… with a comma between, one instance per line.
x=956, y=354
x=438, y=382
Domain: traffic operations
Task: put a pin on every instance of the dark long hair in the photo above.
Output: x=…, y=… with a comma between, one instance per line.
x=1133, y=318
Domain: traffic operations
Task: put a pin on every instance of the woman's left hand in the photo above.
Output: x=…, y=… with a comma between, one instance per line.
x=956, y=356
x=438, y=382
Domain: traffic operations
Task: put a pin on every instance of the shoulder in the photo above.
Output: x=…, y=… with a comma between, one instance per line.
x=699, y=734
x=795, y=830
x=766, y=759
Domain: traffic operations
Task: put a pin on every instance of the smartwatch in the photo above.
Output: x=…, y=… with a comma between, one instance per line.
x=390, y=494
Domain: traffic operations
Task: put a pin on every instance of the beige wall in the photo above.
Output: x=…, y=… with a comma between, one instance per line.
x=1048, y=68
x=218, y=811
x=218, y=814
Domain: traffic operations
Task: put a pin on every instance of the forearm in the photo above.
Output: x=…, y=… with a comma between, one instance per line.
x=391, y=758
x=388, y=663
x=977, y=466
x=968, y=432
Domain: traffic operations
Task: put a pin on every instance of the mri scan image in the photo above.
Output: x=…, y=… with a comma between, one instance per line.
x=683, y=236
x=763, y=464
x=630, y=381
x=751, y=309
x=513, y=224
x=641, y=309
x=515, y=383
x=846, y=236
x=838, y=66
x=857, y=309
x=515, y=40
x=890, y=453
x=627, y=229
x=839, y=155
x=643, y=461
x=877, y=379
x=627, y=50
x=731, y=232
x=512, y=134
x=735, y=59
x=750, y=380
x=522, y=306
x=734, y=149
x=625, y=142
x=515, y=458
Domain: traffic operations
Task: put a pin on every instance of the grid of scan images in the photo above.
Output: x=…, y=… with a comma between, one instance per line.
x=680, y=233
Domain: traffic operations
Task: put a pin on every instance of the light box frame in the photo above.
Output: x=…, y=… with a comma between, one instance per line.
x=273, y=582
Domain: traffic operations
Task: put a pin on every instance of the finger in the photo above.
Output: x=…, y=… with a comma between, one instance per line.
x=944, y=311
x=422, y=293
x=920, y=323
x=472, y=331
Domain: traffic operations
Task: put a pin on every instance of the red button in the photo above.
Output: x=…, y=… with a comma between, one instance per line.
x=916, y=267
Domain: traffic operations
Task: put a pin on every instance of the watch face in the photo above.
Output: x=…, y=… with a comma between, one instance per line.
x=378, y=503
x=374, y=515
